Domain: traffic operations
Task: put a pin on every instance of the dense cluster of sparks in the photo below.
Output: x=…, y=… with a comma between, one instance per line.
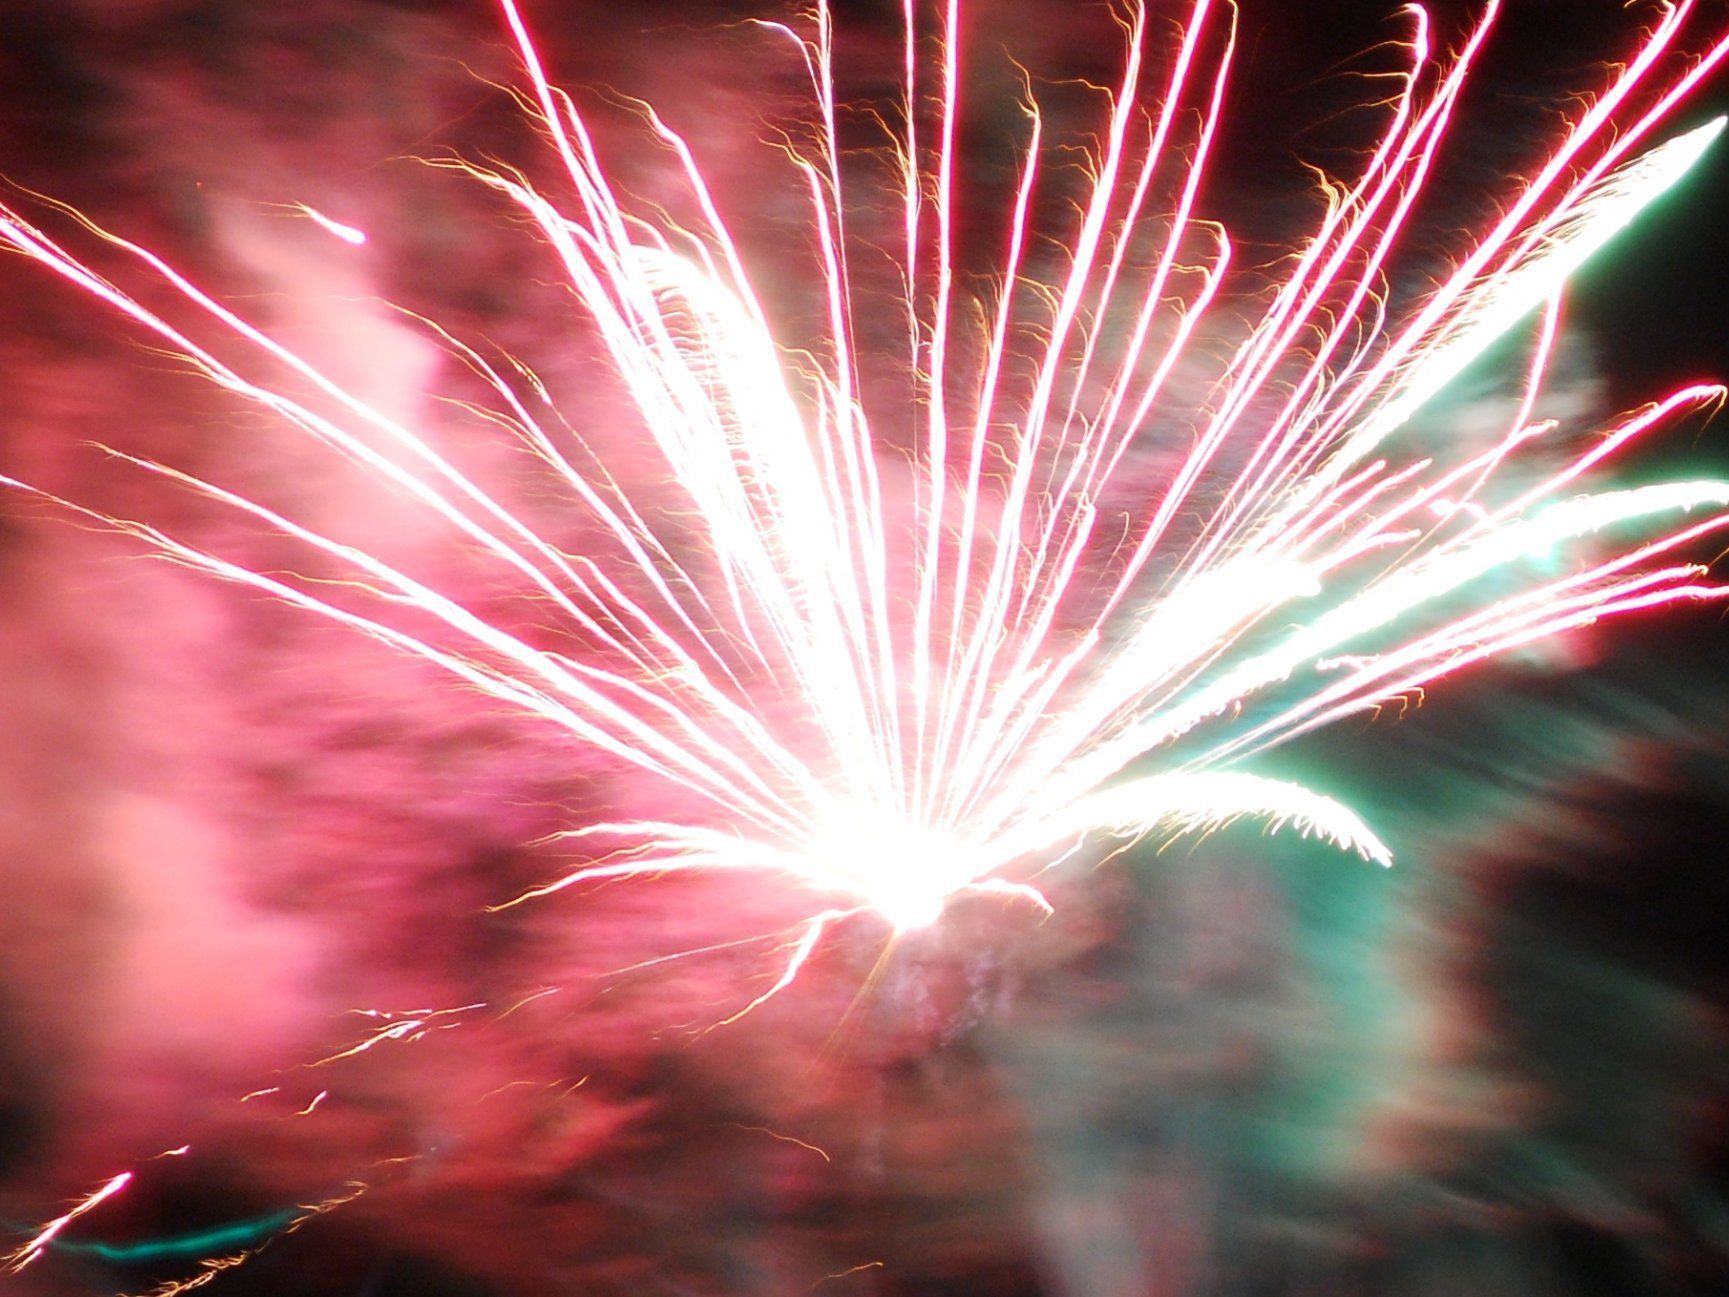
x=898, y=627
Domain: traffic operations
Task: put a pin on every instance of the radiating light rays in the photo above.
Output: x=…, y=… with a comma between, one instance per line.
x=882, y=628
x=1585, y=226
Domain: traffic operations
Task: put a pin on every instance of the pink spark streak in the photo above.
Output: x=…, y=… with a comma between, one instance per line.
x=47, y=1234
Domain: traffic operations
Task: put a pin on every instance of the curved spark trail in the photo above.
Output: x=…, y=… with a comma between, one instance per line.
x=895, y=628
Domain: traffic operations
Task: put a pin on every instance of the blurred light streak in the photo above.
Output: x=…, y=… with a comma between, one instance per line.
x=347, y=233
x=23, y=1256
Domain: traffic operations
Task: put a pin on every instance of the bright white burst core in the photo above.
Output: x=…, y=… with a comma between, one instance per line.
x=906, y=872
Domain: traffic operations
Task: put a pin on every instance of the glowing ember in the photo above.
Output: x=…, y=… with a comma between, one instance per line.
x=347, y=233
x=897, y=639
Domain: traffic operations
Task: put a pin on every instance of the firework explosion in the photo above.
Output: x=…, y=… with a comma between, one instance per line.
x=896, y=695
x=878, y=601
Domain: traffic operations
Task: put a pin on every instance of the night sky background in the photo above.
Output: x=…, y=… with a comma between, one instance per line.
x=1246, y=1068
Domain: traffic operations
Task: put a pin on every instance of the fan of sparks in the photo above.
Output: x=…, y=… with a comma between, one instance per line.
x=900, y=621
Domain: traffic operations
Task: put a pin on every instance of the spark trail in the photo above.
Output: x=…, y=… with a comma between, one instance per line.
x=23, y=1256
x=894, y=628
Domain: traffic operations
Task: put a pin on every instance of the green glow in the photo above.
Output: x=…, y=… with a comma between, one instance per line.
x=201, y=1243
x=1614, y=204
